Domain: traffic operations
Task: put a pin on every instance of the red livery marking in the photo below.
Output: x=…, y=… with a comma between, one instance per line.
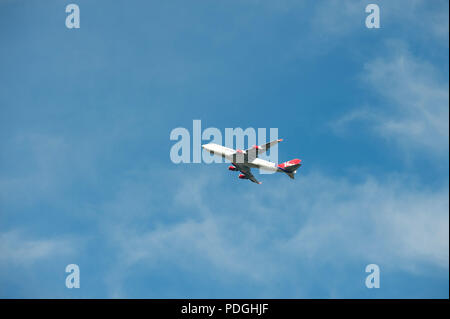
x=289, y=163
x=294, y=161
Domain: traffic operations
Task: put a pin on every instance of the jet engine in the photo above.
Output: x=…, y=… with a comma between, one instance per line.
x=232, y=168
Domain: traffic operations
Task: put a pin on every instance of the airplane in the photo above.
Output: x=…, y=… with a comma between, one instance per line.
x=245, y=160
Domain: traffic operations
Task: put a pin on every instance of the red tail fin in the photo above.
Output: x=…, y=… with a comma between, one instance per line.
x=290, y=167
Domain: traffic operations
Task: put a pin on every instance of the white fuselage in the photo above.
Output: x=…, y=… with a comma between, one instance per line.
x=239, y=157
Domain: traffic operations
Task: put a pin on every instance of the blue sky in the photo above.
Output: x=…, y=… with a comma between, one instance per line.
x=86, y=177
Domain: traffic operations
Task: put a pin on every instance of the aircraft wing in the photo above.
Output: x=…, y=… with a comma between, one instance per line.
x=244, y=169
x=253, y=152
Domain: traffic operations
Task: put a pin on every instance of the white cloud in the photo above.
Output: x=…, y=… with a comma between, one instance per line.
x=283, y=226
x=335, y=23
x=390, y=222
x=413, y=111
x=17, y=249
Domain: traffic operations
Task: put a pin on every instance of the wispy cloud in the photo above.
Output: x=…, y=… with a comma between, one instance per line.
x=16, y=248
x=287, y=228
x=413, y=102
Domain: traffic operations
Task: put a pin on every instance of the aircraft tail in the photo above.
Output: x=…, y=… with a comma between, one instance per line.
x=290, y=167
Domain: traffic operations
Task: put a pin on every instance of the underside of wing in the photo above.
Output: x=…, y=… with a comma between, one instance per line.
x=253, y=179
x=246, y=171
